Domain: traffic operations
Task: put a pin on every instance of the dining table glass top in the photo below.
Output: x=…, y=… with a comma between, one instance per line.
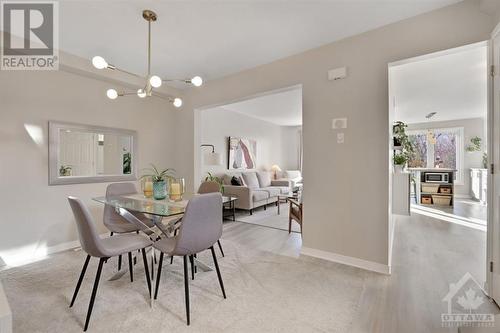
x=139, y=203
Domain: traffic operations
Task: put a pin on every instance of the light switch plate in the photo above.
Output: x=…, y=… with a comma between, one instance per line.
x=339, y=123
x=340, y=137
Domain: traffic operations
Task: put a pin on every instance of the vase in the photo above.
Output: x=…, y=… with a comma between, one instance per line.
x=398, y=168
x=177, y=188
x=160, y=190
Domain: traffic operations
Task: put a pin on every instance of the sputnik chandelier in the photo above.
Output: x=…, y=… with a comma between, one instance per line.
x=151, y=81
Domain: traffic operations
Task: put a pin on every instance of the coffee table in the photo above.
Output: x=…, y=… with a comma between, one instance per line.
x=283, y=198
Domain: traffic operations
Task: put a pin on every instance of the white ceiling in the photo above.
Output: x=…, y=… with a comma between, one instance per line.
x=453, y=85
x=282, y=108
x=217, y=38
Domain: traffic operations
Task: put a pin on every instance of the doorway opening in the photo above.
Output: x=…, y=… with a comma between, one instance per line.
x=258, y=144
x=439, y=165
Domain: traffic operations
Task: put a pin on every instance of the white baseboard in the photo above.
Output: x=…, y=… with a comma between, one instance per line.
x=5, y=313
x=346, y=260
x=48, y=251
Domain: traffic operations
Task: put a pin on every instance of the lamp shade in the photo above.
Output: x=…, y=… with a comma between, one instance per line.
x=213, y=159
x=276, y=168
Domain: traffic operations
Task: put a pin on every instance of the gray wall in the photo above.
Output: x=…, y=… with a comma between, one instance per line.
x=35, y=216
x=346, y=198
x=275, y=144
x=472, y=127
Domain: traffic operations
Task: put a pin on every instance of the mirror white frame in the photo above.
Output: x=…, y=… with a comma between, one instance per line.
x=54, y=151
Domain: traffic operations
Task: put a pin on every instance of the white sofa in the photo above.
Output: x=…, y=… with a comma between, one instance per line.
x=257, y=190
x=294, y=177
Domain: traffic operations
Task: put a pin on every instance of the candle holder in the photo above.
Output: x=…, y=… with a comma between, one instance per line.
x=177, y=188
x=147, y=187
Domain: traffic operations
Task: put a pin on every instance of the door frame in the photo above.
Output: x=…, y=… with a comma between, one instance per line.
x=490, y=126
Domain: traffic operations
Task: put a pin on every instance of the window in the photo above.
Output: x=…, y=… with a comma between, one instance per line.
x=443, y=147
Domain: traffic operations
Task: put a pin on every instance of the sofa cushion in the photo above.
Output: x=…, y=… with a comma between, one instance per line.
x=273, y=191
x=259, y=195
x=251, y=180
x=264, y=179
x=283, y=189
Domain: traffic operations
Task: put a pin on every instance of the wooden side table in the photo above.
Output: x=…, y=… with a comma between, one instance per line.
x=295, y=213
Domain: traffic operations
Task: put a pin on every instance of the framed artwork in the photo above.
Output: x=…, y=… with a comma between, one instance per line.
x=241, y=153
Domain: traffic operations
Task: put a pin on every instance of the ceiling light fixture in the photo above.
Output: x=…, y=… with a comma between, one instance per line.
x=151, y=81
x=430, y=115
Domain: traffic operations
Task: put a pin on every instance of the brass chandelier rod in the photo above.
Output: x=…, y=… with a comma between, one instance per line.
x=152, y=81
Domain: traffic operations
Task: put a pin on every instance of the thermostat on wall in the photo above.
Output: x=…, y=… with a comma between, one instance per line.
x=337, y=73
x=339, y=123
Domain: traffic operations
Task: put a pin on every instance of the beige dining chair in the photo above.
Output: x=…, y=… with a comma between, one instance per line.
x=103, y=249
x=115, y=223
x=211, y=187
x=200, y=229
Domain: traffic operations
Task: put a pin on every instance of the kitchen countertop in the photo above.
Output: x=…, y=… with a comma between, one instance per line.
x=432, y=169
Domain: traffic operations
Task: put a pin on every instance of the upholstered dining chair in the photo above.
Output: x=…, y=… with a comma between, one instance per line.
x=200, y=229
x=115, y=223
x=211, y=187
x=103, y=249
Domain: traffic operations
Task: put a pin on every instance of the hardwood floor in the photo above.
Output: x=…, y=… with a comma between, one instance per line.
x=428, y=255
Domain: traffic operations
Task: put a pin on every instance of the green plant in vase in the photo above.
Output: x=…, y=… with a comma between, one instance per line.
x=406, y=148
x=212, y=178
x=159, y=178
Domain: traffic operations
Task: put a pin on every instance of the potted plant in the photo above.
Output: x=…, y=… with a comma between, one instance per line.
x=212, y=178
x=65, y=171
x=475, y=145
x=159, y=178
x=403, y=144
x=400, y=160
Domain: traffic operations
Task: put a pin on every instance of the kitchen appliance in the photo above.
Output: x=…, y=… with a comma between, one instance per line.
x=436, y=177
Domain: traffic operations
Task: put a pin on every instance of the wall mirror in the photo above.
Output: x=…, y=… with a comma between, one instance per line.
x=90, y=154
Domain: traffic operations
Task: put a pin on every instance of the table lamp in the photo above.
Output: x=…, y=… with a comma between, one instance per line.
x=275, y=168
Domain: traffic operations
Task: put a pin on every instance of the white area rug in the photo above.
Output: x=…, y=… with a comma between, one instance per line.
x=269, y=217
x=266, y=293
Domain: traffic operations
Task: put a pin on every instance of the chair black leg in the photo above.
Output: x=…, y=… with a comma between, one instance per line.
x=94, y=292
x=171, y=260
x=153, y=264
x=119, y=262
x=146, y=269
x=220, y=247
x=195, y=267
x=218, y=271
x=186, y=289
x=158, y=275
x=191, y=259
x=251, y=211
x=130, y=267
x=80, y=279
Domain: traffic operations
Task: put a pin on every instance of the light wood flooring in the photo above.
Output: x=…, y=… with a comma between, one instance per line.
x=428, y=255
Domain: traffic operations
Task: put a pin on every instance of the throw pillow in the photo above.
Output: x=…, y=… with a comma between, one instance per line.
x=264, y=179
x=235, y=181
x=251, y=179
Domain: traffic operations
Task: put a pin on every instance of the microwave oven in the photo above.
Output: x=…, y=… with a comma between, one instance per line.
x=436, y=177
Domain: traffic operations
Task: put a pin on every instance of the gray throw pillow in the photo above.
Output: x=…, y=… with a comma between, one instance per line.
x=251, y=180
x=264, y=178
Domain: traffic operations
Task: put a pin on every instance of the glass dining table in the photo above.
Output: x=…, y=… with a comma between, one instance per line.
x=164, y=215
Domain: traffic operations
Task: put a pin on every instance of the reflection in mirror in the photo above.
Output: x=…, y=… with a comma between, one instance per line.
x=85, y=154
x=94, y=154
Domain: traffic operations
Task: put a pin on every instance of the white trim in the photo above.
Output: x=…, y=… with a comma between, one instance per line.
x=440, y=53
x=391, y=242
x=72, y=245
x=346, y=260
x=5, y=313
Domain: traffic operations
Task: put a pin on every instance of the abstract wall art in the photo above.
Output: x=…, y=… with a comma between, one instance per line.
x=242, y=153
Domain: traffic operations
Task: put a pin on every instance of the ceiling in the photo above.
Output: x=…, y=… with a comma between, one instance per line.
x=453, y=85
x=282, y=108
x=216, y=38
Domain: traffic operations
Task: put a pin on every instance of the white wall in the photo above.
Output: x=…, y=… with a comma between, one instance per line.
x=275, y=144
x=345, y=206
x=36, y=216
x=472, y=127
